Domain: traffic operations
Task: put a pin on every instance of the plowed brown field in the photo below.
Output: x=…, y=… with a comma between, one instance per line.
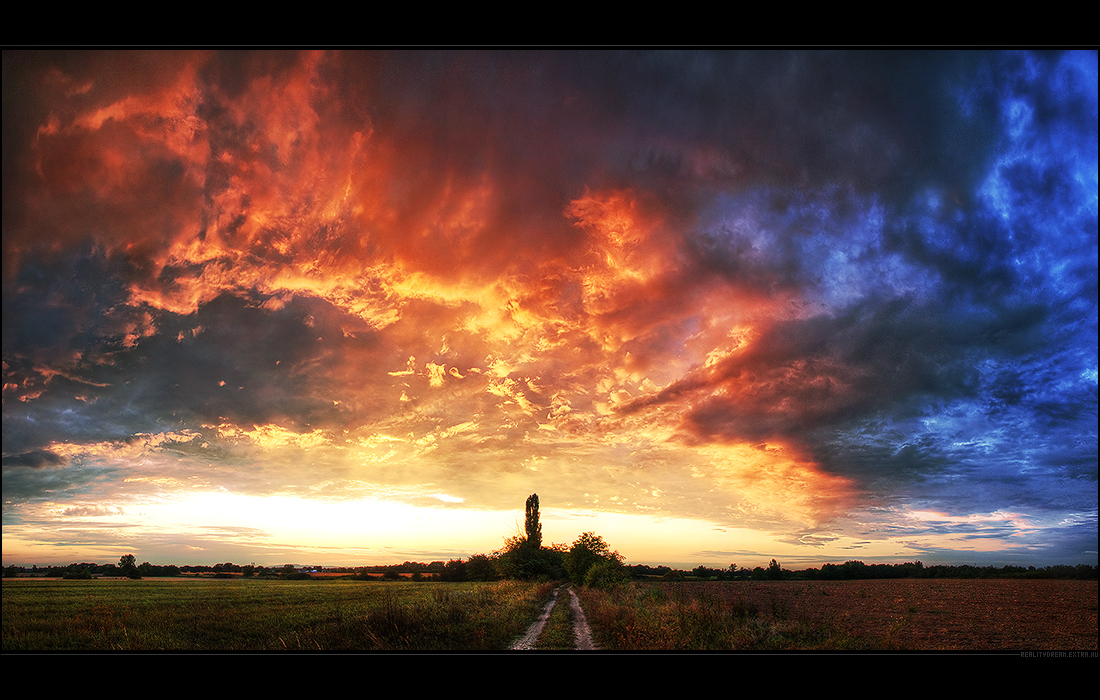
x=932, y=614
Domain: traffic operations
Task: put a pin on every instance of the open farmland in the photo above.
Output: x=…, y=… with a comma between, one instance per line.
x=227, y=615
x=334, y=615
x=901, y=614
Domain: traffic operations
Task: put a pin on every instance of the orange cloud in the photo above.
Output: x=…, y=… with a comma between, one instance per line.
x=772, y=481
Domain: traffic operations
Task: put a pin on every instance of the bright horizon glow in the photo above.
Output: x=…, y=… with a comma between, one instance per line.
x=342, y=533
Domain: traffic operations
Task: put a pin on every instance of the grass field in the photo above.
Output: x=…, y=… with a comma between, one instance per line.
x=228, y=615
x=337, y=615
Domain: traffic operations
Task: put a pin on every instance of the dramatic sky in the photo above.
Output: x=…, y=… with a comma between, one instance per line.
x=718, y=307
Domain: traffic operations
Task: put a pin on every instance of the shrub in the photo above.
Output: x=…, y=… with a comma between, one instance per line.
x=481, y=567
x=521, y=560
x=78, y=574
x=586, y=552
x=606, y=575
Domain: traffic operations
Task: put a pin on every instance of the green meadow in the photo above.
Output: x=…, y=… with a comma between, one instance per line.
x=259, y=615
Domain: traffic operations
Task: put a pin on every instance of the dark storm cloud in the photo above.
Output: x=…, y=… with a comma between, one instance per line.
x=35, y=460
x=69, y=307
x=877, y=121
x=59, y=482
x=233, y=361
x=826, y=370
x=974, y=304
x=236, y=361
x=685, y=124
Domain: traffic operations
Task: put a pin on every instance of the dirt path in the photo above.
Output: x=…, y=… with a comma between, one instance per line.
x=580, y=626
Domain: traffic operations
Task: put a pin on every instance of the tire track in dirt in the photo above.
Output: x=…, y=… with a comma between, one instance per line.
x=528, y=640
x=580, y=625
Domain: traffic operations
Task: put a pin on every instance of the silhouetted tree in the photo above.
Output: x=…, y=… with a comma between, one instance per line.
x=532, y=525
x=518, y=560
x=127, y=565
x=523, y=556
x=454, y=570
x=480, y=567
x=775, y=572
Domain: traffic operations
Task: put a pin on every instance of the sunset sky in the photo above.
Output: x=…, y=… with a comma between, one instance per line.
x=347, y=308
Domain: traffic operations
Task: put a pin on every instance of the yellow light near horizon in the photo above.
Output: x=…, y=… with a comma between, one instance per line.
x=367, y=529
x=359, y=523
x=379, y=531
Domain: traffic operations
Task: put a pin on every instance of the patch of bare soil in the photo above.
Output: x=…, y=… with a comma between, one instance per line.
x=935, y=614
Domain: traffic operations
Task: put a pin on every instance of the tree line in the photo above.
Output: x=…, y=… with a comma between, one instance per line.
x=489, y=567
x=858, y=570
x=127, y=567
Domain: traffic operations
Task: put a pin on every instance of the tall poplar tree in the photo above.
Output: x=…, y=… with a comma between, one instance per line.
x=533, y=527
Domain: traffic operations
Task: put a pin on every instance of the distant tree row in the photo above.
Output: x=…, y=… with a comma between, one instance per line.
x=128, y=568
x=851, y=570
x=550, y=563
